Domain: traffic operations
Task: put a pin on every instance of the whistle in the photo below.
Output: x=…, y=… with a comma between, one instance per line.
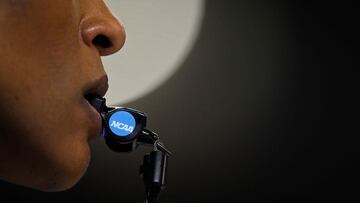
x=124, y=129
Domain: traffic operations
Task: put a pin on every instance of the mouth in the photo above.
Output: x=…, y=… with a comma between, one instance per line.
x=97, y=88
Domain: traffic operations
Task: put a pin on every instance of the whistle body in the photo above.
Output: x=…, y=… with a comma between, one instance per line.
x=122, y=127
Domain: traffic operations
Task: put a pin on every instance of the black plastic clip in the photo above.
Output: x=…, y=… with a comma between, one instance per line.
x=153, y=172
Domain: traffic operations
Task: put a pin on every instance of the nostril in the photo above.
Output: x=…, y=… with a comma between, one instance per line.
x=101, y=41
x=105, y=34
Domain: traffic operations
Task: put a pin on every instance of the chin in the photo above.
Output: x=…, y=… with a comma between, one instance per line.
x=66, y=172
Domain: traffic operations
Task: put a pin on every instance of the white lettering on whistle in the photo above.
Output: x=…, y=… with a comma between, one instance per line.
x=122, y=126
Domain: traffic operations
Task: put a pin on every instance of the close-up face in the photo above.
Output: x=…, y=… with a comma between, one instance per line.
x=49, y=62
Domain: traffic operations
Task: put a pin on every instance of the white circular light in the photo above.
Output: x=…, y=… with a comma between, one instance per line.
x=159, y=35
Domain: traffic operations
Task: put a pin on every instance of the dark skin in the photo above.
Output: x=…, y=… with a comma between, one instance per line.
x=49, y=61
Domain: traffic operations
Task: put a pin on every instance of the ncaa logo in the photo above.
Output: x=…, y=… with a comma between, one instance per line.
x=122, y=123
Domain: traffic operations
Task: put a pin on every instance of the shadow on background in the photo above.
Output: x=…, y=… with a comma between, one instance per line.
x=250, y=115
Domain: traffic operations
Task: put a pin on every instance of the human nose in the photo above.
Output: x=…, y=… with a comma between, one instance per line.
x=104, y=32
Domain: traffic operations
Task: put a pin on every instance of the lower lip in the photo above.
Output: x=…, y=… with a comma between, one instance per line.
x=95, y=118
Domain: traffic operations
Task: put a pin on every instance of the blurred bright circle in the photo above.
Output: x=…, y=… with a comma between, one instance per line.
x=159, y=35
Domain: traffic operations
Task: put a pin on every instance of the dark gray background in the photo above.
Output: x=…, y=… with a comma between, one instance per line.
x=250, y=115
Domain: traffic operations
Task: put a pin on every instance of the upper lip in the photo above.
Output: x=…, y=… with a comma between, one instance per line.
x=96, y=88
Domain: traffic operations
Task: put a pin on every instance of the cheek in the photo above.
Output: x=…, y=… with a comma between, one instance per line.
x=43, y=125
x=41, y=38
x=51, y=147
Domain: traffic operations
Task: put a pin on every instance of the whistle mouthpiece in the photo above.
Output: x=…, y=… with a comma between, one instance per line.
x=98, y=103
